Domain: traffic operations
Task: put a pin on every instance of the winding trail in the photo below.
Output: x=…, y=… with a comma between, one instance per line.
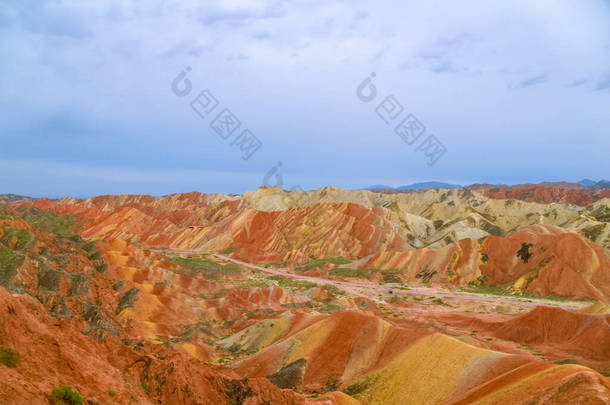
x=357, y=288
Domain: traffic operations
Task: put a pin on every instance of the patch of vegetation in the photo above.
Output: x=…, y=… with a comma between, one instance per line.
x=227, y=251
x=89, y=247
x=17, y=238
x=484, y=257
x=112, y=393
x=9, y=263
x=358, y=387
x=333, y=289
x=330, y=308
x=566, y=361
x=290, y=375
x=315, y=263
x=438, y=301
x=280, y=263
x=593, y=232
x=425, y=275
x=392, y=276
x=286, y=282
x=491, y=228
x=347, y=272
x=100, y=265
x=117, y=286
x=9, y=357
x=524, y=253
x=127, y=300
x=506, y=291
x=66, y=395
x=79, y=284
x=210, y=295
x=95, y=255
x=237, y=392
x=48, y=221
x=50, y=278
x=207, y=267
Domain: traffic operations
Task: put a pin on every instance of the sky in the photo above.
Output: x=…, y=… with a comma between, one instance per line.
x=157, y=97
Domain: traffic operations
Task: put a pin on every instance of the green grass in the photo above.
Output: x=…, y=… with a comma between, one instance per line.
x=505, y=291
x=280, y=263
x=9, y=357
x=330, y=308
x=66, y=395
x=206, y=266
x=286, y=282
x=23, y=236
x=333, y=289
x=392, y=276
x=9, y=263
x=315, y=263
x=48, y=221
x=438, y=301
x=227, y=251
x=210, y=295
x=346, y=272
x=100, y=265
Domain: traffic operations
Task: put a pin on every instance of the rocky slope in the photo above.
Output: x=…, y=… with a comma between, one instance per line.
x=113, y=296
x=448, y=236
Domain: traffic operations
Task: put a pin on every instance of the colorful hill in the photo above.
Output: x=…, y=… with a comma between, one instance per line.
x=338, y=297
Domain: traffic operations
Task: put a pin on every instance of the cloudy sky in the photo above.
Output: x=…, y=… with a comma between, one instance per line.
x=514, y=91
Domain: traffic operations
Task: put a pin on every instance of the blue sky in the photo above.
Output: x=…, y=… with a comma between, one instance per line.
x=516, y=91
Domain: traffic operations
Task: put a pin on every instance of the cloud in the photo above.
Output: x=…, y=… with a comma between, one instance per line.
x=240, y=16
x=444, y=67
x=531, y=81
x=89, y=82
x=603, y=84
x=361, y=15
x=261, y=35
x=578, y=82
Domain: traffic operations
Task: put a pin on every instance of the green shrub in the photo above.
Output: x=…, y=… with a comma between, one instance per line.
x=345, y=272
x=112, y=393
x=127, y=300
x=392, y=276
x=48, y=221
x=285, y=282
x=207, y=267
x=524, y=253
x=100, y=265
x=9, y=263
x=66, y=395
x=95, y=255
x=22, y=238
x=313, y=264
x=333, y=289
x=9, y=357
x=89, y=246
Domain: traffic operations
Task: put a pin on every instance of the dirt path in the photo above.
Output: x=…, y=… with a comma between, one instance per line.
x=373, y=289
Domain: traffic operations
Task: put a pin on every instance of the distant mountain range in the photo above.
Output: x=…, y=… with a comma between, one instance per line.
x=587, y=182
x=415, y=186
x=9, y=198
x=603, y=184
